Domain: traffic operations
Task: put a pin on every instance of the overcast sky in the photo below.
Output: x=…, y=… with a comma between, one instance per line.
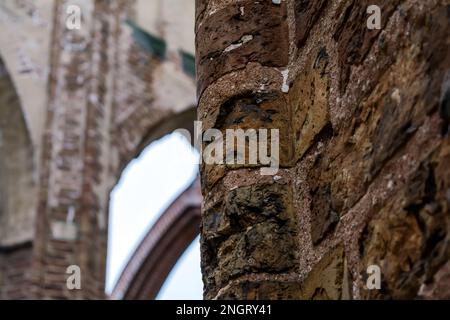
x=147, y=187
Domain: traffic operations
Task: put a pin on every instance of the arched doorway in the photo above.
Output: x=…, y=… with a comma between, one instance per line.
x=17, y=191
x=165, y=242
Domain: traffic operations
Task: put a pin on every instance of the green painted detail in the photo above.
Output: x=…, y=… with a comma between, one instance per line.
x=188, y=63
x=146, y=41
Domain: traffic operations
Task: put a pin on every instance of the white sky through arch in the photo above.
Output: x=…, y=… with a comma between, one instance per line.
x=147, y=187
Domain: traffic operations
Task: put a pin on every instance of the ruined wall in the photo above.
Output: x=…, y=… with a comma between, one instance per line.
x=364, y=148
x=24, y=35
x=90, y=100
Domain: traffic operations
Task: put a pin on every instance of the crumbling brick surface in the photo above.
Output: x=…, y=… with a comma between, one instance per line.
x=364, y=145
x=240, y=33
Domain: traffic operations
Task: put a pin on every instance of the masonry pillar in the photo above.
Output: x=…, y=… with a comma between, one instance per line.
x=72, y=214
x=363, y=116
x=249, y=228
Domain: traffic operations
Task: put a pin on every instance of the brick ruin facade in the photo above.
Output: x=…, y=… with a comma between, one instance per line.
x=364, y=142
x=76, y=107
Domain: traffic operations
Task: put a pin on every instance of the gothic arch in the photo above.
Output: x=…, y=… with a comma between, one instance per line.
x=168, y=124
x=163, y=245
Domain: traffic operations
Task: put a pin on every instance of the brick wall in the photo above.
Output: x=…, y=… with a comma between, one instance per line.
x=363, y=117
x=105, y=101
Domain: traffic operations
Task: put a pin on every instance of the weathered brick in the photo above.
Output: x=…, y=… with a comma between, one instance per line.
x=307, y=12
x=326, y=281
x=408, y=237
x=252, y=230
x=308, y=101
x=268, y=110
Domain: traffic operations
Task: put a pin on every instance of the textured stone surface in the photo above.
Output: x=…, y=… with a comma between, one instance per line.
x=268, y=110
x=363, y=116
x=308, y=101
x=326, y=280
x=307, y=12
x=366, y=141
x=16, y=168
x=410, y=234
x=14, y=272
x=263, y=290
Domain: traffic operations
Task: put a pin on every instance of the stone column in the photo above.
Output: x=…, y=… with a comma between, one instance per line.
x=249, y=230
